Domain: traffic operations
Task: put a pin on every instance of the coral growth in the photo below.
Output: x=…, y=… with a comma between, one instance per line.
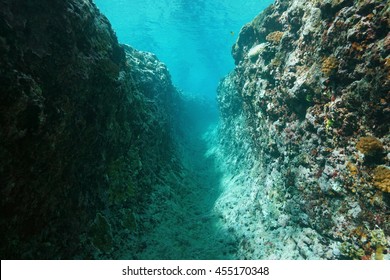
x=274, y=37
x=329, y=65
x=365, y=244
x=381, y=177
x=351, y=251
x=352, y=168
x=370, y=146
x=378, y=242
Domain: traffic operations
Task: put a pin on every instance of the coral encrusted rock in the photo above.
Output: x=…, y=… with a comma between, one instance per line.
x=304, y=103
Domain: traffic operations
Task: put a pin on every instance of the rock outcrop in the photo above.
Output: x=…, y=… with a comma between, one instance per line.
x=306, y=128
x=84, y=132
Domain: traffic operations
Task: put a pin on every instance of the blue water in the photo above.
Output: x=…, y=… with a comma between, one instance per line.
x=192, y=37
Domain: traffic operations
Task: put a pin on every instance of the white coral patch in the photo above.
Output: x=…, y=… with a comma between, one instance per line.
x=257, y=50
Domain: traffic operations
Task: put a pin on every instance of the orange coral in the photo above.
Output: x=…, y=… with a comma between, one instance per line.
x=358, y=47
x=274, y=37
x=387, y=62
x=329, y=65
x=369, y=146
x=382, y=178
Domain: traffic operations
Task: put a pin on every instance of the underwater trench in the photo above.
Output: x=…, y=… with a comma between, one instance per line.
x=194, y=39
x=102, y=157
x=185, y=222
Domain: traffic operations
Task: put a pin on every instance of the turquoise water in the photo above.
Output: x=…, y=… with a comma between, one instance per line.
x=192, y=37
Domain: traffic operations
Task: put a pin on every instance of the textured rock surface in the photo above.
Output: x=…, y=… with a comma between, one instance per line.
x=83, y=134
x=87, y=161
x=311, y=80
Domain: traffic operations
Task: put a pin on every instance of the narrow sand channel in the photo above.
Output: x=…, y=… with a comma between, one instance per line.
x=185, y=224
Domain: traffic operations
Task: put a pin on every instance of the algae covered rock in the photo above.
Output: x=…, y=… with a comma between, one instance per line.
x=81, y=131
x=101, y=234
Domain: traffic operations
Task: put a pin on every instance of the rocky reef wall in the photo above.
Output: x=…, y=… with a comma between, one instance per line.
x=84, y=132
x=305, y=131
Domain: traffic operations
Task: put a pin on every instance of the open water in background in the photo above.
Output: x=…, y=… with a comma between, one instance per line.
x=192, y=37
